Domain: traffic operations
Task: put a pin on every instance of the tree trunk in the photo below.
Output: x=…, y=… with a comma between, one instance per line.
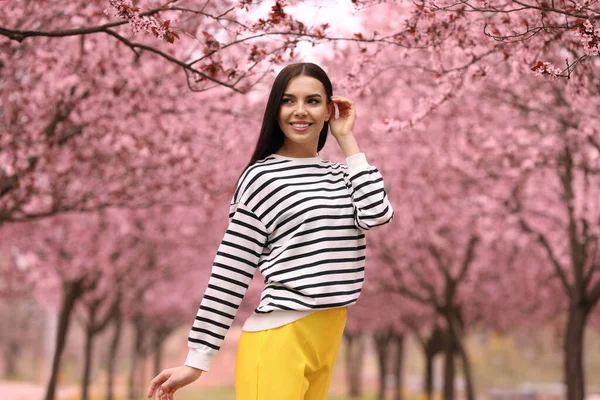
x=158, y=348
x=397, y=368
x=428, y=384
x=95, y=325
x=85, y=382
x=133, y=369
x=457, y=338
x=575, y=375
x=466, y=364
x=160, y=335
x=355, y=349
x=449, y=370
x=436, y=343
x=382, y=341
x=136, y=358
x=112, y=357
x=72, y=291
x=11, y=355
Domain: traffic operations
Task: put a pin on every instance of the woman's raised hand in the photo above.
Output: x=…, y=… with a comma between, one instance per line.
x=170, y=380
x=344, y=124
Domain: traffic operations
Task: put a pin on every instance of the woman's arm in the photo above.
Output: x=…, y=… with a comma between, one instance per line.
x=232, y=271
x=371, y=205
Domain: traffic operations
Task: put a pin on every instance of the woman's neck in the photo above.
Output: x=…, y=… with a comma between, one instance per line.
x=297, y=152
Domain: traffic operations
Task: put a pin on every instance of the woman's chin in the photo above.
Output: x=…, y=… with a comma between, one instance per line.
x=301, y=137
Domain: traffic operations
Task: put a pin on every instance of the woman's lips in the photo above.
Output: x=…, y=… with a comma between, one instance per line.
x=300, y=126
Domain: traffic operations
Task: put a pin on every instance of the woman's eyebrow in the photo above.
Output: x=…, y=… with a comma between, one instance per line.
x=310, y=95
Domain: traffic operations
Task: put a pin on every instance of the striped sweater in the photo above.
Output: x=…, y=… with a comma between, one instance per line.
x=300, y=222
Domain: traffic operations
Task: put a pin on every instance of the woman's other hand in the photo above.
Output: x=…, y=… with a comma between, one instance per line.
x=170, y=380
x=344, y=124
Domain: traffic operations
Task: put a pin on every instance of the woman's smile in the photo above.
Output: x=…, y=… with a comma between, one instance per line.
x=300, y=126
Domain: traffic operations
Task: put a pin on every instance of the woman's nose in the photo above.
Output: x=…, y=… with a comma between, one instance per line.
x=300, y=109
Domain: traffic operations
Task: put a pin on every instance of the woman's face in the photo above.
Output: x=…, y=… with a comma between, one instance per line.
x=303, y=109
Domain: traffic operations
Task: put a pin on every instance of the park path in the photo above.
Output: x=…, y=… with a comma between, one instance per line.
x=220, y=375
x=32, y=391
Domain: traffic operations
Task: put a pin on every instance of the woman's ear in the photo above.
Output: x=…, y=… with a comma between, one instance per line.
x=331, y=109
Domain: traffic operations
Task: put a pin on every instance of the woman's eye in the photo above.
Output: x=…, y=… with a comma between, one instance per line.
x=286, y=101
x=313, y=101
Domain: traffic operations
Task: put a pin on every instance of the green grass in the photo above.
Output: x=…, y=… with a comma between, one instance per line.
x=229, y=394
x=185, y=393
x=226, y=393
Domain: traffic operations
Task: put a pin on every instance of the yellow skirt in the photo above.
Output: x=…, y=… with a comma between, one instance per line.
x=291, y=362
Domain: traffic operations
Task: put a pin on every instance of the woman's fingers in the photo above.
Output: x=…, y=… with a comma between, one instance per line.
x=165, y=394
x=156, y=382
x=168, y=389
x=169, y=394
x=344, y=106
x=342, y=102
x=337, y=97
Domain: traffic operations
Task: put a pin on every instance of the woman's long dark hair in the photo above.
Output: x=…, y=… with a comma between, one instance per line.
x=271, y=136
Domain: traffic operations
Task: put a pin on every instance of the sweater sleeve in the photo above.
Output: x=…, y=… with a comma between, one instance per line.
x=232, y=270
x=371, y=205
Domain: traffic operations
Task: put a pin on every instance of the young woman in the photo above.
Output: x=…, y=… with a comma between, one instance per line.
x=300, y=220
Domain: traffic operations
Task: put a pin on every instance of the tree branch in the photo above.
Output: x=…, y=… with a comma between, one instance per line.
x=594, y=142
x=575, y=246
x=400, y=288
x=19, y=36
x=469, y=256
x=523, y=7
x=423, y=282
x=546, y=245
x=554, y=10
x=515, y=207
x=185, y=66
x=595, y=293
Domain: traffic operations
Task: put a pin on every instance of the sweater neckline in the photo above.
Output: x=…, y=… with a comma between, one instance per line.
x=298, y=159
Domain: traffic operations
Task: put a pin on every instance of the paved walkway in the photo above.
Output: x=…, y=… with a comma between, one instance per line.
x=33, y=391
x=220, y=375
